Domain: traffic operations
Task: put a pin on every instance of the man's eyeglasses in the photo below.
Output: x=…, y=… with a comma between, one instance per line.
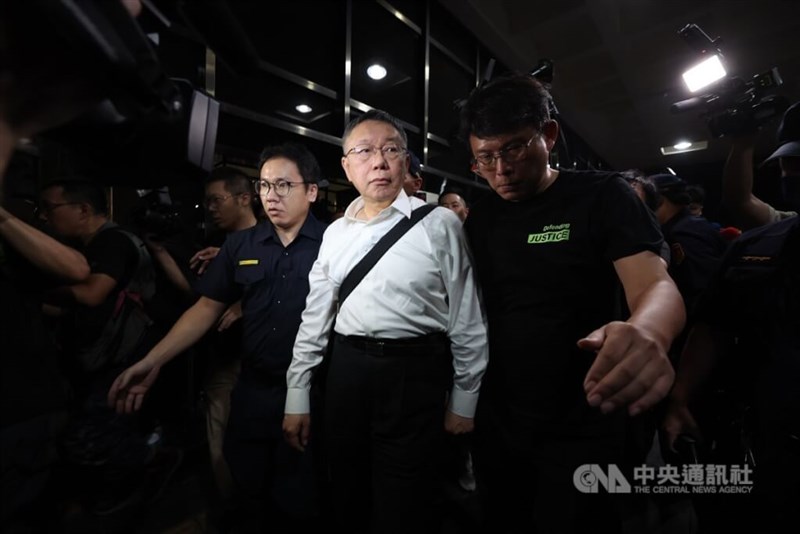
x=216, y=200
x=46, y=209
x=281, y=187
x=511, y=153
x=364, y=153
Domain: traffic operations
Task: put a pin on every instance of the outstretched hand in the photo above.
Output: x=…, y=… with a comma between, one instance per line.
x=129, y=389
x=630, y=369
x=202, y=259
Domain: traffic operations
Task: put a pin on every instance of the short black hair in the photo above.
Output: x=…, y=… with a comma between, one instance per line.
x=504, y=105
x=80, y=190
x=454, y=191
x=696, y=193
x=671, y=187
x=236, y=181
x=299, y=154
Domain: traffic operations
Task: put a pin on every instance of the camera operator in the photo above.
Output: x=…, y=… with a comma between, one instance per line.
x=737, y=178
x=32, y=394
x=34, y=96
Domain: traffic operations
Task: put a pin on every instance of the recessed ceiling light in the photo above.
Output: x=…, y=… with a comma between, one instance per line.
x=376, y=72
x=302, y=108
x=684, y=146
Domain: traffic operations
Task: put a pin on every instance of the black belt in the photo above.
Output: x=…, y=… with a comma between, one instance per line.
x=365, y=343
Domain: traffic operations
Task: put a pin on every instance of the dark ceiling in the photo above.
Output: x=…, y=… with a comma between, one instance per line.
x=618, y=64
x=617, y=70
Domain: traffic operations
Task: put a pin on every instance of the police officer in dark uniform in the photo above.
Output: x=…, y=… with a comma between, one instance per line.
x=696, y=246
x=749, y=323
x=267, y=267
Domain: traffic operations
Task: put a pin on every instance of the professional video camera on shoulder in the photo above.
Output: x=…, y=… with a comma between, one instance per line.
x=732, y=105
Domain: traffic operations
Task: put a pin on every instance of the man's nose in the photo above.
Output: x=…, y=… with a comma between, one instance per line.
x=501, y=167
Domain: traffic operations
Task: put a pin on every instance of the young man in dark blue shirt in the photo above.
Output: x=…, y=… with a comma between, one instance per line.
x=267, y=268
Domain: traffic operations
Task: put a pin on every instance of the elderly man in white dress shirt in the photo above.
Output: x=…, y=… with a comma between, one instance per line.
x=386, y=399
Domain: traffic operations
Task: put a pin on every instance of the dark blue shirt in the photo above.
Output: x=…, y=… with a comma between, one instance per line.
x=272, y=281
x=696, y=249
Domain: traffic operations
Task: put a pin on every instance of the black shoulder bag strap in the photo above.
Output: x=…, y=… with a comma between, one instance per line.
x=366, y=264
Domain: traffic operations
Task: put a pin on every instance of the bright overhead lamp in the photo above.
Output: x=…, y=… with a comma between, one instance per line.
x=302, y=108
x=376, y=71
x=704, y=74
x=684, y=146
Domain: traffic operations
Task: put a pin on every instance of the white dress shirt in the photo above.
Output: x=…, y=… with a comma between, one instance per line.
x=424, y=284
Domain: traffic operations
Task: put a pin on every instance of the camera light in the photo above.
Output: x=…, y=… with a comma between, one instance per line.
x=376, y=72
x=303, y=108
x=704, y=73
x=680, y=145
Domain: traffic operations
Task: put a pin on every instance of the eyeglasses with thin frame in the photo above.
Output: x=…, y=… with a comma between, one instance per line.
x=510, y=154
x=47, y=209
x=364, y=153
x=282, y=187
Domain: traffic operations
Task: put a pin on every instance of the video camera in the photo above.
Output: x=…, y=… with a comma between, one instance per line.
x=156, y=216
x=734, y=106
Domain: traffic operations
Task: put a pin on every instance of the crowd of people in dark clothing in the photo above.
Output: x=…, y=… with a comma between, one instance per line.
x=559, y=339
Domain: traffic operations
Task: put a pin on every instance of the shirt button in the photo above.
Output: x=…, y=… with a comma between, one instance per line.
x=285, y=253
x=279, y=302
x=283, y=276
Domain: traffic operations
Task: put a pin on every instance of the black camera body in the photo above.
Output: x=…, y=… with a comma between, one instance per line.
x=156, y=216
x=737, y=106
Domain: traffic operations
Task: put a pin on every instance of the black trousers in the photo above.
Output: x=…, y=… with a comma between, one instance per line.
x=384, y=427
x=275, y=483
x=526, y=479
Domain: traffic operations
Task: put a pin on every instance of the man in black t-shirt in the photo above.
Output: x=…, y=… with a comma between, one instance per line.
x=77, y=209
x=550, y=249
x=32, y=394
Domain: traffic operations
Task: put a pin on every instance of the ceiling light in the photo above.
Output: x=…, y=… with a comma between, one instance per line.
x=704, y=73
x=376, y=72
x=302, y=108
x=684, y=146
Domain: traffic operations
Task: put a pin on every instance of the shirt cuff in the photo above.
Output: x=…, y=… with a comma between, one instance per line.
x=297, y=401
x=462, y=403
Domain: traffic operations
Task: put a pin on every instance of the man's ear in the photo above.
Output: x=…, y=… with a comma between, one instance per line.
x=346, y=167
x=550, y=134
x=313, y=191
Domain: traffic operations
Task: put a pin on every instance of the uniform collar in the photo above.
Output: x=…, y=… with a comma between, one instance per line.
x=312, y=229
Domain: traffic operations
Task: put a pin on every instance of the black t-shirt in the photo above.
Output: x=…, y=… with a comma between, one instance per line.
x=546, y=271
x=30, y=384
x=112, y=253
